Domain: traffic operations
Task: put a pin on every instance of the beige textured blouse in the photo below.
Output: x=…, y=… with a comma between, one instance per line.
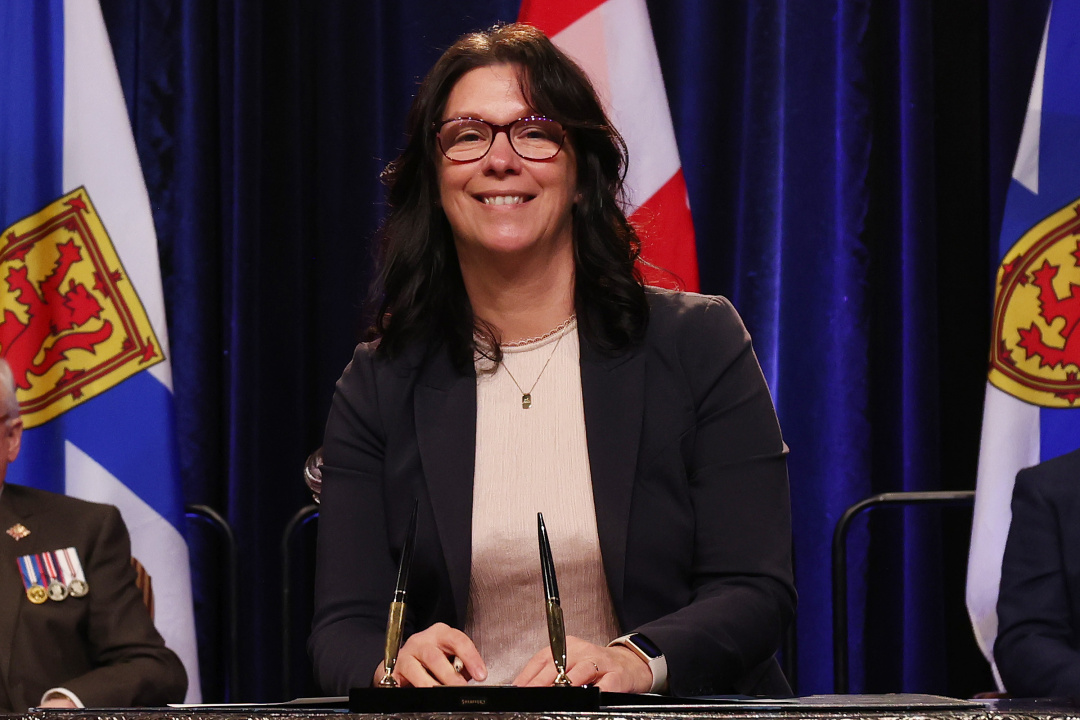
x=528, y=461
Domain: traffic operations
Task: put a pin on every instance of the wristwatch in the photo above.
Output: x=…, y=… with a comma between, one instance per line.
x=645, y=649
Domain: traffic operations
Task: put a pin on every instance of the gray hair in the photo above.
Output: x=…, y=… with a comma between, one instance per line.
x=9, y=403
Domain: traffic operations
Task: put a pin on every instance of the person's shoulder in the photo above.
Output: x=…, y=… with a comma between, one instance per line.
x=56, y=501
x=1056, y=476
x=30, y=499
x=680, y=302
x=680, y=312
x=367, y=355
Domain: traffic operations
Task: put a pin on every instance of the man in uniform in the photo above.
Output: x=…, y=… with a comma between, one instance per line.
x=74, y=630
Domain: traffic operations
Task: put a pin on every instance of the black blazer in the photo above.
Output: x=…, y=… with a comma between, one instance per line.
x=689, y=482
x=1038, y=643
x=103, y=647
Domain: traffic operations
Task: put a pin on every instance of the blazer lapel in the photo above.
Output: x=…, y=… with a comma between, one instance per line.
x=613, y=393
x=445, y=415
x=11, y=586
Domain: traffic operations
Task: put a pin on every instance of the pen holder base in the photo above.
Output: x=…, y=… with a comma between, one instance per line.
x=475, y=698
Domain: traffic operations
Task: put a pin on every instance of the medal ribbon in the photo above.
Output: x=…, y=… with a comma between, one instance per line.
x=52, y=568
x=28, y=568
x=71, y=565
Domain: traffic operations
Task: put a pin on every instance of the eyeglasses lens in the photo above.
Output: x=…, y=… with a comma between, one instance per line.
x=532, y=138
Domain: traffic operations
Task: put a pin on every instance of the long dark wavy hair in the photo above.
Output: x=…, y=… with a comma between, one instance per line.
x=419, y=294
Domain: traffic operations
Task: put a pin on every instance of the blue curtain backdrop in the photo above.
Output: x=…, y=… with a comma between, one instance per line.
x=846, y=162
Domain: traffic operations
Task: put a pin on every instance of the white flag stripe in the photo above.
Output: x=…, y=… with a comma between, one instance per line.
x=614, y=45
x=1010, y=442
x=97, y=141
x=156, y=544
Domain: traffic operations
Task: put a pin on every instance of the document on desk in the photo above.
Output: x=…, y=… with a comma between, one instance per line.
x=889, y=701
x=503, y=698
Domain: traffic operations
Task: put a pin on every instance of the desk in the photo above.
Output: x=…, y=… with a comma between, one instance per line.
x=988, y=710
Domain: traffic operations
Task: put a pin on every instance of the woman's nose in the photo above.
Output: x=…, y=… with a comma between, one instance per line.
x=501, y=157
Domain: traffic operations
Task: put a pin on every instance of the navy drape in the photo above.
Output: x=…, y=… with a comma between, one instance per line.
x=842, y=164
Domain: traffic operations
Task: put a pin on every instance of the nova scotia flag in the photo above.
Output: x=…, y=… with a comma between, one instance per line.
x=83, y=321
x=1032, y=408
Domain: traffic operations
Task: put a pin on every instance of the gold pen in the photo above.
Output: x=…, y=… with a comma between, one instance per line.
x=556, y=628
x=395, y=624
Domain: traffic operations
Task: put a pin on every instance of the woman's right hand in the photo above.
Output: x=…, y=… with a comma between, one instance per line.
x=425, y=660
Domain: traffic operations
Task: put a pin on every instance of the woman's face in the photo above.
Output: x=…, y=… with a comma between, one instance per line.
x=503, y=204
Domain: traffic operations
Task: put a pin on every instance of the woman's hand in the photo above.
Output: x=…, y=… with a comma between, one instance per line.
x=615, y=669
x=425, y=660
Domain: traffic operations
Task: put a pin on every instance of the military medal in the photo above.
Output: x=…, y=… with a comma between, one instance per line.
x=72, y=569
x=18, y=531
x=57, y=590
x=31, y=577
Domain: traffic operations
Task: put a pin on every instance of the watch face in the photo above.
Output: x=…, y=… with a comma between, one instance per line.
x=646, y=645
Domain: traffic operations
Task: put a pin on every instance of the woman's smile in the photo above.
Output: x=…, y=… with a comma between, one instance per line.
x=503, y=203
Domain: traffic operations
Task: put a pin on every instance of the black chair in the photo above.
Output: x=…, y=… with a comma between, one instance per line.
x=226, y=587
x=289, y=542
x=293, y=658
x=839, y=562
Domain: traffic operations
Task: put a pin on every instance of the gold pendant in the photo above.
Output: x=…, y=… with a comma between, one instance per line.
x=526, y=401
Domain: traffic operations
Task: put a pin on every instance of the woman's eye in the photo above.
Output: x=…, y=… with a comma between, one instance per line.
x=466, y=136
x=533, y=131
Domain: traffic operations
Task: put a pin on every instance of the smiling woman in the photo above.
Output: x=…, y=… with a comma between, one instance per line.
x=511, y=217
x=517, y=364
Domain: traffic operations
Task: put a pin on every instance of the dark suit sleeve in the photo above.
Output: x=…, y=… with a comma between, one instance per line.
x=132, y=666
x=741, y=591
x=355, y=573
x=1036, y=644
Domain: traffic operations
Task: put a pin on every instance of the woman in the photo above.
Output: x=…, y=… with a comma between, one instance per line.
x=519, y=365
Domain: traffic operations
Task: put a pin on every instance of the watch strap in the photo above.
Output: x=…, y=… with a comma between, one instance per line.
x=657, y=664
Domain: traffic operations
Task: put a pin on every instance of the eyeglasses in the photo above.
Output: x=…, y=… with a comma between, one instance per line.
x=468, y=139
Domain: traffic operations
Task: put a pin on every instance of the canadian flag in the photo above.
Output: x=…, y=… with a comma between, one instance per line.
x=612, y=41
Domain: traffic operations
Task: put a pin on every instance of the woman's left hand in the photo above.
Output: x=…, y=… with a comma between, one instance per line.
x=614, y=669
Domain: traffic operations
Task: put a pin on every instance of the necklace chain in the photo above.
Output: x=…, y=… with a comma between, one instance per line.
x=526, y=395
x=554, y=331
